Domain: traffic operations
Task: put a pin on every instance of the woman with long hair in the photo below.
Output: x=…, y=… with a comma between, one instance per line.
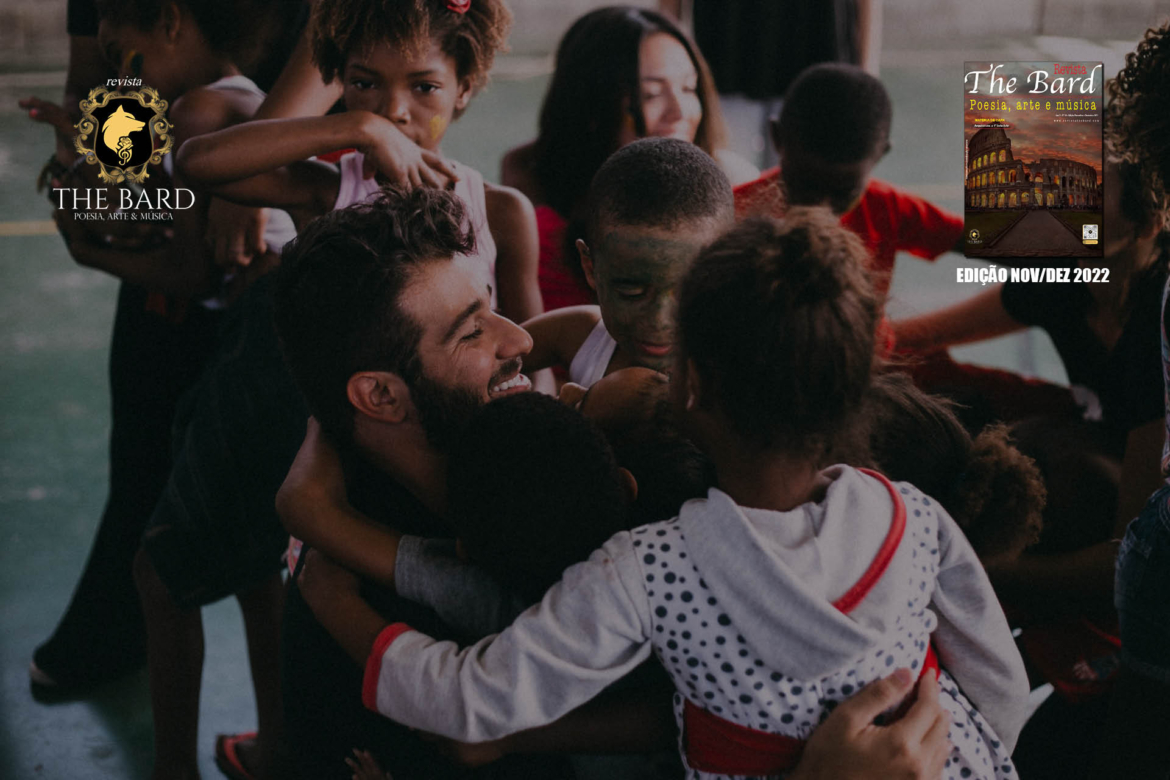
x=622, y=73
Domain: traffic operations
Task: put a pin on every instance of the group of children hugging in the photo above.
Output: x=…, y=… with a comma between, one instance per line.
x=707, y=556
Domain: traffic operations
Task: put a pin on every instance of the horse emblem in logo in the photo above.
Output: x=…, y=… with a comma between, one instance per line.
x=123, y=133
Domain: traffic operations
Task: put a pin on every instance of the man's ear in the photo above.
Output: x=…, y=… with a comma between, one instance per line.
x=586, y=262
x=629, y=484
x=380, y=395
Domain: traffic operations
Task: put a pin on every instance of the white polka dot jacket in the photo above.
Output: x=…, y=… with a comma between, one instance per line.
x=743, y=609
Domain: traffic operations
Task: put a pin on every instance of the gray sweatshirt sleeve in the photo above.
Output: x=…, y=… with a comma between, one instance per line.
x=591, y=629
x=973, y=639
x=462, y=594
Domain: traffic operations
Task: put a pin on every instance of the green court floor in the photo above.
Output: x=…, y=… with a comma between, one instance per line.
x=55, y=321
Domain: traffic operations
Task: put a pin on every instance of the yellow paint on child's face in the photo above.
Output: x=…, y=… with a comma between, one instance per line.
x=419, y=93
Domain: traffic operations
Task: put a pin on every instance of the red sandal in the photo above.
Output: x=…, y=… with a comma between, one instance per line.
x=228, y=760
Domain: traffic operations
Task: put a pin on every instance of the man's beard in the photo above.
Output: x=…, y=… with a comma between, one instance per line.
x=443, y=411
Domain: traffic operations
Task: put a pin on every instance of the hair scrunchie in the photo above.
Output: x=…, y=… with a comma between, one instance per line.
x=459, y=6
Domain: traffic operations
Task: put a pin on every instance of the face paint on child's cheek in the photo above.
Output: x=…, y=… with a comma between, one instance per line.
x=438, y=125
x=638, y=271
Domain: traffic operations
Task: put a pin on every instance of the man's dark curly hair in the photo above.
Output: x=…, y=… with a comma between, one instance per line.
x=1137, y=123
x=340, y=29
x=338, y=287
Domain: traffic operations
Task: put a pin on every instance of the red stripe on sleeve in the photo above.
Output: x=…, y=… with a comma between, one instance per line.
x=374, y=662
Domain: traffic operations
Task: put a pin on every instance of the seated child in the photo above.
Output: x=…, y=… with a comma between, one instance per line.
x=652, y=206
x=777, y=596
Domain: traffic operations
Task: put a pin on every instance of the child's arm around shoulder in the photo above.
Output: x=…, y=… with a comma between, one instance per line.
x=462, y=594
x=973, y=639
x=591, y=628
x=513, y=225
x=558, y=335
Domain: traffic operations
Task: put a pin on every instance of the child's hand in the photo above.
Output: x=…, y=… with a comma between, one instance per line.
x=315, y=477
x=236, y=233
x=365, y=767
x=407, y=165
x=56, y=117
x=116, y=235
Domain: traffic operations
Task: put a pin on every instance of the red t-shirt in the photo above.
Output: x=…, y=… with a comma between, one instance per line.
x=888, y=219
x=559, y=287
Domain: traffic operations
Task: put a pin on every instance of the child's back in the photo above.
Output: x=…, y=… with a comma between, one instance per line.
x=769, y=619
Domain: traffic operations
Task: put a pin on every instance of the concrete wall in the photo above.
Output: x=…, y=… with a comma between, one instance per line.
x=910, y=24
x=32, y=34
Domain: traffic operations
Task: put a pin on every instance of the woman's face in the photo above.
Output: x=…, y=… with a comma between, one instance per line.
x=669, y=91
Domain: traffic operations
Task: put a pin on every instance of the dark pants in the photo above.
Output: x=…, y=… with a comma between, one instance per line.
x=156, y=354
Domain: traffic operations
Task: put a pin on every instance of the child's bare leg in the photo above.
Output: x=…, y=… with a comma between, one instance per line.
x=262, y=607
x=174, y=659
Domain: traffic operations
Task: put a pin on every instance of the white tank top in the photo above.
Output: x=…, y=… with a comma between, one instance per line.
x=355, y=188
x=591, y=360
x=280, y=229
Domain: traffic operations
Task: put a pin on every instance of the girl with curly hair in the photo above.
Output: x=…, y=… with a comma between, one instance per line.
x=408, y=69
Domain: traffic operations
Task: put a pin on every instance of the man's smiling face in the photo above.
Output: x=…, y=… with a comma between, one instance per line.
x=468, y=354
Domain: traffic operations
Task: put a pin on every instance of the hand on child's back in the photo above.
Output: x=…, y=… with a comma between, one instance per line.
x=849, y=745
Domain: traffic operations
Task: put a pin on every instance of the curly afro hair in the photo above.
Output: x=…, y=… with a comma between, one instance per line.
x=341, y=28
x=1137, y=119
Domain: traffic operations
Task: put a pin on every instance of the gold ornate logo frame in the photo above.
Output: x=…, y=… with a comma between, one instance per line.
x=87, y=127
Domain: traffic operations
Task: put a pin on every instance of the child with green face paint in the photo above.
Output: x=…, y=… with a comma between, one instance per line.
x=652, y=206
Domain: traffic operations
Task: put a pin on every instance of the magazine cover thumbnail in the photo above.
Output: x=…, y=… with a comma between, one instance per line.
x=1033, y=159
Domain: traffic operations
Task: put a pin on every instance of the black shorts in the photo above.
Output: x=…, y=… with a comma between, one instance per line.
x=215, y=531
